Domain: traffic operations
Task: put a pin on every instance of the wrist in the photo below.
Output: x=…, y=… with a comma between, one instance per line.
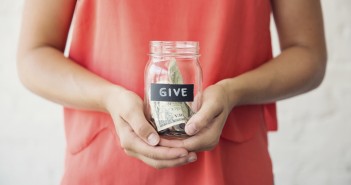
x=110, y=95
x=231, y=92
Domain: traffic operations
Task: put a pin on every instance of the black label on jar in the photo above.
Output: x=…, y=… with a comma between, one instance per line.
x=172, y=92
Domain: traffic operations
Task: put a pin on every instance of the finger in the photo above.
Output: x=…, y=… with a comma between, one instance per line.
x=142, y=127
x=208, y=111
x=157, y=153
x=206, y=139
x=160, y=164
x=173, y=143
x=200, y=142
x=196, y=143
x=131, y=143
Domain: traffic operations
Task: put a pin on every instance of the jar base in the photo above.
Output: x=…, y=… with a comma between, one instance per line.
x=174, y=135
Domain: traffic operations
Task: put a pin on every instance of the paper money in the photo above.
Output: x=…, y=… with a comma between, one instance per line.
x=170, y=117
x=175, y=77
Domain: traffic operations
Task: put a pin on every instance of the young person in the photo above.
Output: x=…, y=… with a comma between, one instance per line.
x=100, y=84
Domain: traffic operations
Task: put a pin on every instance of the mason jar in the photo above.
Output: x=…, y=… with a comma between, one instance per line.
x=173, y=86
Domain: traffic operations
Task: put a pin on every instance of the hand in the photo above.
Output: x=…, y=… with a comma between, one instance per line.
x=206, y=125
x=137, y=137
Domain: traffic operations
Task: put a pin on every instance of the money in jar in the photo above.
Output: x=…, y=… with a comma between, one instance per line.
x=173, y=86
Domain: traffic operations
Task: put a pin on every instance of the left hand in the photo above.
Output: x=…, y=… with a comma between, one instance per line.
x=205, y=127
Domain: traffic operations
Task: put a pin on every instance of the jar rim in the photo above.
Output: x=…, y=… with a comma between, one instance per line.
x=174, y=47
x=168, y=42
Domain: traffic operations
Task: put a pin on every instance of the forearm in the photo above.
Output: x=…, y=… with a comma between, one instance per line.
x=296, y=70
x=301, y=65
x=42, y=66
x=45, y=71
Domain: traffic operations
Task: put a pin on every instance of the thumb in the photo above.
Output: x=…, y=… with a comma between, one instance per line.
x=143, y=128
x=202, y=118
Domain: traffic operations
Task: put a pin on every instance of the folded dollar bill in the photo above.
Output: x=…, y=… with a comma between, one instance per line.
x=170, y=117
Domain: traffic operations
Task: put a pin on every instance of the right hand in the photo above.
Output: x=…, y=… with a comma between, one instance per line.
x=137, y=137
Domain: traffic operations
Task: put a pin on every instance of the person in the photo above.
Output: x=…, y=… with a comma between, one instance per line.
x=100, y=83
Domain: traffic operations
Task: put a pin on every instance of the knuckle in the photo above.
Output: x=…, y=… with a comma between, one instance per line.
x=130, y=110
x=128, y=152
x=196, y=118
x=142, y=130
x=201, y=121
x=213, y=143
x=206, y=145
x=158, y=165
x=128, y=113
x=125, y=144
x=151, y=155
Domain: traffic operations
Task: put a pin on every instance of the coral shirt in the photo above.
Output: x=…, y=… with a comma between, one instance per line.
x=111, y=39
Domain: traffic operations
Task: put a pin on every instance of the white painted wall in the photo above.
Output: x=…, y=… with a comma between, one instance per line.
x=312, y=146
x=31, y=132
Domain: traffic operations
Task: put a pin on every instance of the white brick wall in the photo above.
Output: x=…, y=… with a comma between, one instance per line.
x=313, y=145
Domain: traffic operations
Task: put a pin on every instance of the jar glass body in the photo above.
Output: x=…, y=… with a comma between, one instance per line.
x=173, y=86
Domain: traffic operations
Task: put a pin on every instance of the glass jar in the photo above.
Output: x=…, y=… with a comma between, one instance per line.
x=173, y=86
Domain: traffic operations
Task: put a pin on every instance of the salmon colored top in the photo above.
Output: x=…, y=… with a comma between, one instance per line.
x=111, y=39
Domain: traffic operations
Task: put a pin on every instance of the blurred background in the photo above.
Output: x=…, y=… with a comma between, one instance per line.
x=312, y=146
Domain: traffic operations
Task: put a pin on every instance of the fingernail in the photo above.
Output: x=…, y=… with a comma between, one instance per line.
x=153, y=139
x=192, y=159
x=191, y=130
